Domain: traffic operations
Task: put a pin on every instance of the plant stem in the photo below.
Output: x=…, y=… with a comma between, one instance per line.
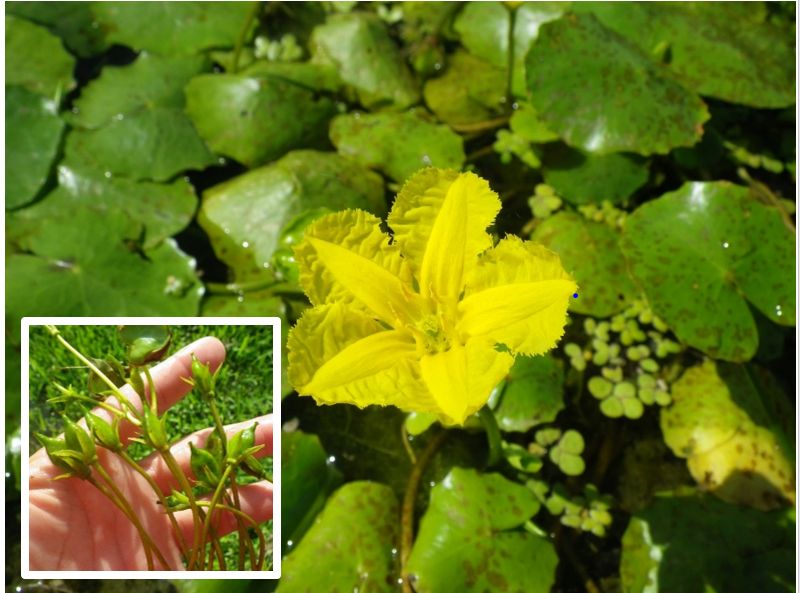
x=177, y=472
x=126, y=508
x=406, y=444
x=214, y=500
x=151, y=387
x=244, y=539
x=511, y=22
x=483, y=126
x=248, y=22
x=262, y=542
x=161, y=499
x=410, y=497
x=489, y=423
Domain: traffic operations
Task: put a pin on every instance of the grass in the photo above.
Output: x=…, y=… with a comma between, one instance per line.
x=244, y=385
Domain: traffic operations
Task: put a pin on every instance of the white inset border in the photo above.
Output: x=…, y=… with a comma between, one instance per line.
x=275, y=573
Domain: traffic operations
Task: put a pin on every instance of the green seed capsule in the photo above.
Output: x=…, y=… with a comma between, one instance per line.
x=80, y=441
x=106, y=434
x=203, y=379
x=155, y=429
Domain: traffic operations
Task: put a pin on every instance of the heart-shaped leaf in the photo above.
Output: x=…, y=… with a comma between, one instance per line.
x=467, y=541
x=36, y=59
x=575, y=69
x=701, y=253
x=533, y=393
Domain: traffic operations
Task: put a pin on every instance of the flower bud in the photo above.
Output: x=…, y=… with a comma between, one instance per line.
x=204, y=466
x=106, y=435
x=155, y=429
x=80, y=441
x=203, y=378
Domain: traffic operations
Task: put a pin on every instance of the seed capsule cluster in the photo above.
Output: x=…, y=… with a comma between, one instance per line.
x=629, y=351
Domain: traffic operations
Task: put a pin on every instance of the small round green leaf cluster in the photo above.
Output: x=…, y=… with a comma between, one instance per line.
x=627, y=350
x=564, y=451
x=589, y=512
x=510, y=144
x=604, y=212
x=285, y=49
x=544, y=202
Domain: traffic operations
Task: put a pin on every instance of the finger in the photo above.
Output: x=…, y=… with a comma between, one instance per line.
x=254, y=500
x=155, y=465
x=168, y=379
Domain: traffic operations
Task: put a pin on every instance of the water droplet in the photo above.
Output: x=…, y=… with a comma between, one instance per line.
x=8, y=474
x=107, y=175
x=399, y=580
x=289, y=543
x=75, y=110
x=426, y=160
x=331, y=459
x=119, y=116
x=515, y=106
x=221, y=160
x=725, y=245
x=394, y=551
x=226, y=230
x=356, y=115
x=431, y=484
x=245, y=244
x=240, y=299
x=778, y=310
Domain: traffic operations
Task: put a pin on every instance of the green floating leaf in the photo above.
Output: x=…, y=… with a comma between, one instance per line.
x=307, y=481
x=244, y=216
x=318, y=77
x=397, y=144
x=728, y=425
x=358, y=44
x=163, y=208
x=36, y=59
x=350, y=546
x=467, y=541
x=534, y=393
x=717, y=51
x=81, y=264
x=255, y=119
x=575, y=69
x=73, y=22
x=172, y=28
x=470, y=91
x=149, y=82
x=590, y=252
x=686, y=542
x=156, y=144
x=136, y=126
x=33, y=134
x=701, y=253
x=582, y=178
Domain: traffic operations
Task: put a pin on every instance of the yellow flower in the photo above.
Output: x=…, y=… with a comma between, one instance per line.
x=415, y=321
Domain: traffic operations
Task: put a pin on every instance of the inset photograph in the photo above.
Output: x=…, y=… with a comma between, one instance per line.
x=152, y=446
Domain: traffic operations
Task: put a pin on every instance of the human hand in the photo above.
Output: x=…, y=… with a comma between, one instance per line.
x=73, y=526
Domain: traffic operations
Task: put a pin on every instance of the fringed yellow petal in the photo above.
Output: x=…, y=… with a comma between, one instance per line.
x=439, y=220
x=462, y=378
x=340, y=355
x=517, y=296
x=346, y=258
